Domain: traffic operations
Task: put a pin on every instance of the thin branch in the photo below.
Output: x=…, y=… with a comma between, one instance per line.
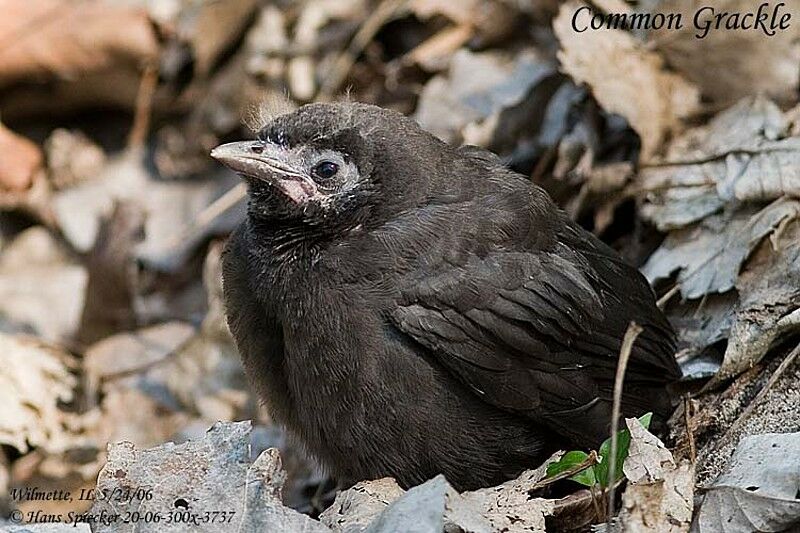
x=144, y=106
x=687, y=416
x=662, y=302
x=387, y=10
x=631, y=334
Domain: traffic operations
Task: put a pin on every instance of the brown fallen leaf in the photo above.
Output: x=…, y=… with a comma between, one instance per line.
x=709, y=255
x=746, y=153
x=20, y=161
x=212, y=27
x=489, y=22
x=659, y=496
x=629, y=80
x=50, y=39
x=213, y=474
x=112, y=288
x=769, y=306
x=727, y=65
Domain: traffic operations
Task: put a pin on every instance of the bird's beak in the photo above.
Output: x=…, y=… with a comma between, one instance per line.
x=268, y=163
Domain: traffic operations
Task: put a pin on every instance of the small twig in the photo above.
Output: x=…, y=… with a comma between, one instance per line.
x=144, y=106
x=370, y=27
x=591, y=460
x=668, y=296
x=216, y=208
x=687, y=417
x=631, y=334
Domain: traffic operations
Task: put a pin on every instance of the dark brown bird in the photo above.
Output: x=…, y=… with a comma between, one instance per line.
x=408, y=308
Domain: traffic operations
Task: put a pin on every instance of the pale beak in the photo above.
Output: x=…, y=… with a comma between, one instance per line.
x=266, y=162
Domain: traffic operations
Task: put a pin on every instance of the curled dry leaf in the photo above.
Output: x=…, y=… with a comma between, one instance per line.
x=33, y=380
x=382, y=507
x=212, y=27
x=355, y=508
x=630, y=80
x=648, y=459
x=211, y=474
x=113, y=285
x=20, y=161
x=466, y=104
x=171, y=207
x=486, y=22
x=769, y=306
x=758, y=491
x=709, y=255
x=660, y=494
x=428, y=507
x=728, y=65
x=41, y=288
x=63, y=39
x=745, y=153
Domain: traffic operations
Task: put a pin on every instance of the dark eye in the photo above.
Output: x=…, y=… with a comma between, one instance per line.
x=325, y=170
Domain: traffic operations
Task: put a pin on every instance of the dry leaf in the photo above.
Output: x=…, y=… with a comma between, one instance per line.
x=758, y=491
x=648, y=459
x=72, y=158
x=33, y=380
x=20, y=161
x=151, y=421
x=171, y=207
x=41, y=288
x=126, y=353
x=355, y=508
x=628, y=80
x=467, y=103
x=709, y=255
x=212, y=27
x=113, y=285
x=211, y=475
x=64, y=39
x=660, y=494
x=510, y=507
x=432, y=506
x=728, y=64
x=744, y=154
x=769, y=305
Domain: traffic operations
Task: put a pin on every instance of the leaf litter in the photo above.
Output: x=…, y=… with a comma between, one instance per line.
x=629, y=131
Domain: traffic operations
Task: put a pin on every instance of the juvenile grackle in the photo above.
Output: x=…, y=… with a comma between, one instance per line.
x=409, y=308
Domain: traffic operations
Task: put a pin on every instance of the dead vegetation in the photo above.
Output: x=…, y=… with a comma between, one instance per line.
x=682, y=153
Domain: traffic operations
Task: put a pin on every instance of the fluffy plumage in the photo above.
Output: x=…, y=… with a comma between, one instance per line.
x=425, y=310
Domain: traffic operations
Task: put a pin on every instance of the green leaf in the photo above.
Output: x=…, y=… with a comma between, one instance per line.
x=570, y=460
x=623, y=444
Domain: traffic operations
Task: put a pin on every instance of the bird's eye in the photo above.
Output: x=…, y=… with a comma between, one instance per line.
x=325, y=170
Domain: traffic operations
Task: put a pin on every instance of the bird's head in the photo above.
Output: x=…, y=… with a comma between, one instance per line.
x=335, y=165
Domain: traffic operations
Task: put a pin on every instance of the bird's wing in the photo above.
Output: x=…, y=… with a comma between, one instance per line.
x=539, y=333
